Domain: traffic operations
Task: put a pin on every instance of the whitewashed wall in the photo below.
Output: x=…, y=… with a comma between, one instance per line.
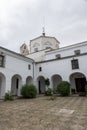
x=66, y=51
x=15, y=65
x=61, y=67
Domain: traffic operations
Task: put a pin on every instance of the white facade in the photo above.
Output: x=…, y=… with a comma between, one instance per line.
x=14, y=72
x=66, y=51
x=57, y=66
x=62, y=70
x=67, y=63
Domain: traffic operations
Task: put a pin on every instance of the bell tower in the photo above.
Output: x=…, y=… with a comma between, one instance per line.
x=24, y=50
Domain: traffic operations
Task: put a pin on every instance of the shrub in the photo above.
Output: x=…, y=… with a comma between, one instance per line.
x=86, y=88
x=8, y=96
x=64, y=88
x=49, y=92
x=29, y=91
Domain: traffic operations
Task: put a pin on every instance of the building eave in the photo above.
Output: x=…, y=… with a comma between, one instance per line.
x=14, y=54
x=62, y=58
x=67, y=47
x=44, y=37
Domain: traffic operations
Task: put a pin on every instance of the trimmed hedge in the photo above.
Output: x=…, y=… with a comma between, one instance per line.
x=64, y=88
x=86, y=89
x=29, y=91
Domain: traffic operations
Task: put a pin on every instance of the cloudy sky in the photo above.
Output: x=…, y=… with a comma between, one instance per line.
x=22, y=20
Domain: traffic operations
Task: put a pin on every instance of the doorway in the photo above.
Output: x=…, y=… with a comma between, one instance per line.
x=80, y=84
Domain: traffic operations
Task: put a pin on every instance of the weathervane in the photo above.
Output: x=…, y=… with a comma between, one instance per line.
x=43, y=33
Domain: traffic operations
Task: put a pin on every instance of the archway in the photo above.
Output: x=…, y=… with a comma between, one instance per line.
x=2, y=85
x=56, y=79
x=29, y=80
x=16, y=85
x=41, y=84
x=78, y=81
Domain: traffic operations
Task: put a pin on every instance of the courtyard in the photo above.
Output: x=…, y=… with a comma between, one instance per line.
x=41, y=113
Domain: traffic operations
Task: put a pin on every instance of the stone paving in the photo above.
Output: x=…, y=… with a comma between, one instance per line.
x=63, y=113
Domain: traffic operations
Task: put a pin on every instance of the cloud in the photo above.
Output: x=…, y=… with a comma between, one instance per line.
x=22, y=20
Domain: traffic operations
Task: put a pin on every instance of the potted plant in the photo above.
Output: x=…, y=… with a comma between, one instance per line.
x=47, y=83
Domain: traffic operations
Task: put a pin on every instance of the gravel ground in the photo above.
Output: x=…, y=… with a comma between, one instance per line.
x=63, y=113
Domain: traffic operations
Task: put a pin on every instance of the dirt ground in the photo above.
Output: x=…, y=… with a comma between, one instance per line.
x=63, y=113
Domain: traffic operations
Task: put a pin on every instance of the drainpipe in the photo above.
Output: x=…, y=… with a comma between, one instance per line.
x=33, y=70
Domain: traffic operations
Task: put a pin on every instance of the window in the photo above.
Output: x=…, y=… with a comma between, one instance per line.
x=58, y=56
x=1, y=61
x=29, y=67
x=40, y=68
x=77, y=52
x=75, y=64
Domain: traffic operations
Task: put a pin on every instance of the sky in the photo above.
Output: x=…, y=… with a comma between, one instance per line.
x=23, y=20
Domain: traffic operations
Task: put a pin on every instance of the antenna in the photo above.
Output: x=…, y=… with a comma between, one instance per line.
x=43, y=33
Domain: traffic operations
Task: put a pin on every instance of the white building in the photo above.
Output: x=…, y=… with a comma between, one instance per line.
x=49, y=61
x=15, y=70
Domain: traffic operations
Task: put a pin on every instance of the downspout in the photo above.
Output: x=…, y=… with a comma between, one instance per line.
x=33, y=69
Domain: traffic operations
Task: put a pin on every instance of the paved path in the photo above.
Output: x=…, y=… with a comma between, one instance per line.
x=63, y=113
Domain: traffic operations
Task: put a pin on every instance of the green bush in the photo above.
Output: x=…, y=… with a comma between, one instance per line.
x=8, y=96
x=49, y=92
x=29, y=91
x=64, y=88
x=86, y=88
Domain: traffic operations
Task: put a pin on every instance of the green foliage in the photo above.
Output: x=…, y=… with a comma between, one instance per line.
x=8, y=96
x=86, y=88
x=29, y=91
x=47, y=82
x=64, y=88
x=49, y=92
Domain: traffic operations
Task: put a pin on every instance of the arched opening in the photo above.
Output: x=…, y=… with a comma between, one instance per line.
x=41, y=84
x=2, y=85
x=56, y=79
x=29, y=80
x=16, y=85
x=78, y=81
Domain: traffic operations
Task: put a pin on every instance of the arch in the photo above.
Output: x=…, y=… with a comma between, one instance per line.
x=78, y=81
x=41, y=85
x=2, y=84
x=56, y=79
x=29, y=80
x=16, y=83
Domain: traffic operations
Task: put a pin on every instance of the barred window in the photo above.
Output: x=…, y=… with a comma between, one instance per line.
x=75, y=64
